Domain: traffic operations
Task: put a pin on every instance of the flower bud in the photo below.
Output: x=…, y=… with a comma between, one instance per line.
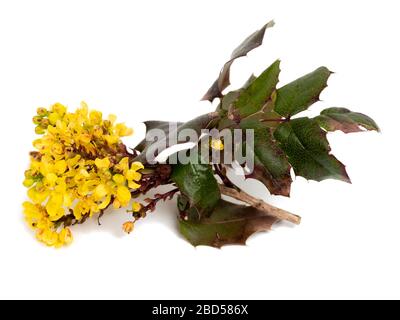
x=28, y=182
x=136, y=206
x=45, y=123
x=42, y=112
x=128, y=226
x=37, y=120
x=39, y=130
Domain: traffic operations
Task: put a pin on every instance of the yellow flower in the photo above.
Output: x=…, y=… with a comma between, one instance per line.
x=57, y=148
x=132, y=174
x=59, y=109
x=112, y=118
x=119, y=179
x=137, y=166
x=84, y=139
x=60, y=166
x=122, y=130
x=65, y=236
x=133, y=185
x=95, y=117
x=100, y=191
x=54, y=204
x=128, y=227
x=32, y=212
x=217, y=144
x=111, y=139
x=123, y=165
x=51, y=179
x=123, y=195
x=28, y=182
x=54, y=117
x=102, y=163
x=48, y=237
x=136, y=206
x=105, y=202
x=68, y=199
x=37, y=196
x=116, y=204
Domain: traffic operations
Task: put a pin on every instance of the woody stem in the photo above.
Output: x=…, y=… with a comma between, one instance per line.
x=260, y=205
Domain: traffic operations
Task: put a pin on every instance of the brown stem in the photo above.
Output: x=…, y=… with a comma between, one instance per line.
x=260, y=205
x=153, y=202
x=218, y=169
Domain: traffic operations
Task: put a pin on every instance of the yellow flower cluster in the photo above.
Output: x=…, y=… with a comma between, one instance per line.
x=79, y=169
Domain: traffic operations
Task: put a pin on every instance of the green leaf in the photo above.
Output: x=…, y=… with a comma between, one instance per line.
x=228, y=224
x=228, y=99
x=198, y=184
x=226, y=106
x=271, y=166
x=252, y=99
x=343, y=119
x=251, y=42
x=204, y=121
x=301, y=93
x=308, y=150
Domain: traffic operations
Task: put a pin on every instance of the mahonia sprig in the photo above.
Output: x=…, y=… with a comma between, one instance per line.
x=80, y=167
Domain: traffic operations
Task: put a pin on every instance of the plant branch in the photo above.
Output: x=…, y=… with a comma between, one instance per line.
x=219, y=170
x=260, y=205
x=150, y=207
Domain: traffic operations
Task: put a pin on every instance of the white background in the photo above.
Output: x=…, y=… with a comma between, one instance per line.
x=154, y=60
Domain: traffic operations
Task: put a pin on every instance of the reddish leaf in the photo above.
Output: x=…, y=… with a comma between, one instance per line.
x=251, y=42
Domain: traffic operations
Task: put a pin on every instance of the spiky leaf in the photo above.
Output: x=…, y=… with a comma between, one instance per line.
x=228, y=224
x=308, y=150
x=254, y=97
x=301, y=93
x=251, y=42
